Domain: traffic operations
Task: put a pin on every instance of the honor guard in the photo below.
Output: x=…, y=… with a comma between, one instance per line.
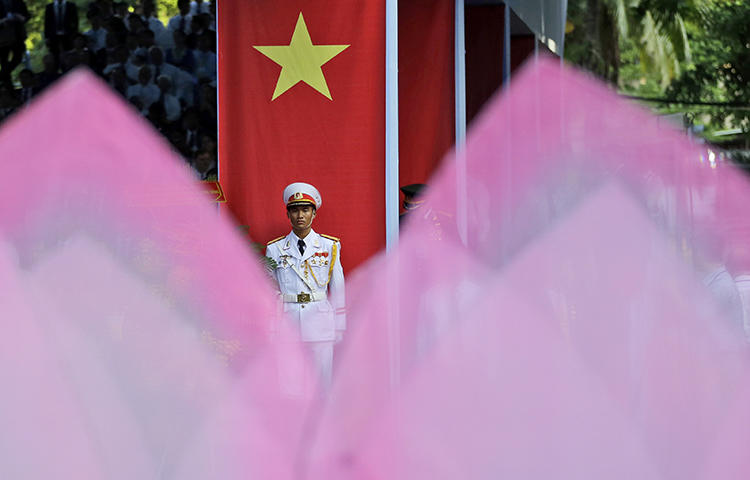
x=310, y=277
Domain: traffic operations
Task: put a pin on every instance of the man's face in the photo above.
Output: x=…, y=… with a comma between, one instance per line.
x=301, y=216
x=203, y=161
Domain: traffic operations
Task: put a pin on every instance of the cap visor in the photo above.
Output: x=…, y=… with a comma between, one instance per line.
x=300, y=202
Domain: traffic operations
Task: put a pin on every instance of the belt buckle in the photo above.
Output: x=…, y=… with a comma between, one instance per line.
x=303, y=298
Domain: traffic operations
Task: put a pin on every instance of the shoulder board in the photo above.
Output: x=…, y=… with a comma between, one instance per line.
x=276, y=240
x=330, y=237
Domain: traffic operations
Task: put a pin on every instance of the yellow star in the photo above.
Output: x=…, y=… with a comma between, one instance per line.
x=301, y=61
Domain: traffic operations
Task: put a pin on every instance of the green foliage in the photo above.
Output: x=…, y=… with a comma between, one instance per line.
x=166, y=9
x=656, y=30
x=720, y=68
x=270, y=264
x=591, y=41
x=35, y=28
x=689, y=51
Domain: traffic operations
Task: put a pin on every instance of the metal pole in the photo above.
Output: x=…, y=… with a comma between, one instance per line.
x=391, y=124
x=506, y=194
x=506, y=47
x=391, y=191
x=460, y=94
x=563, y=18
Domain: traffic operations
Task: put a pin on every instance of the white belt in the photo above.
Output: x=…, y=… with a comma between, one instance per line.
x=303, y=297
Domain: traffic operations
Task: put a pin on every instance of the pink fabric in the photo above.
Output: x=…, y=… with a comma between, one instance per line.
x=567, y=332
x=136, y=316
x=573, y=318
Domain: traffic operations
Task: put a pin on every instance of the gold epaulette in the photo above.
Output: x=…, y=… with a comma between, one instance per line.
x=330, y=237
x=276, y=240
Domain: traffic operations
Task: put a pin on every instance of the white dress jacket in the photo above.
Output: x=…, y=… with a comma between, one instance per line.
x=311, y=286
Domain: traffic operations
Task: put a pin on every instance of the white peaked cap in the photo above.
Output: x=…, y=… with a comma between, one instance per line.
x=299, y=193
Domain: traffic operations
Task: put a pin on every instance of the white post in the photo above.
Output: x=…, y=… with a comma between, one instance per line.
x=218, y=114
x=536, y=37
x=507, y=167
x=391, y=124
x=563, y=19
x=391, y=190
x=506, y=47
x=460, y=97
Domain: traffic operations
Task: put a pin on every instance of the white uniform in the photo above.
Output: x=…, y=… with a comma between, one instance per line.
x=311, y=287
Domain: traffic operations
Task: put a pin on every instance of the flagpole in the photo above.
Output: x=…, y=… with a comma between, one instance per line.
x=506, y=47
x=218, y=164
x=506, y=194
x=563, y=18
x=460, y=98
x=391, y=124
x=391, y=191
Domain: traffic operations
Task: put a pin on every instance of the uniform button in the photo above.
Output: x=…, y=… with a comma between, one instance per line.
x=303, y=306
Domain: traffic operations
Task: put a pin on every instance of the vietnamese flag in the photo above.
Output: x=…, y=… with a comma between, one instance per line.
x=302, y=99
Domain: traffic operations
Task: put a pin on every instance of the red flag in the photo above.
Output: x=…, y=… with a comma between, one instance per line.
x=425, y=86
x=302, y=98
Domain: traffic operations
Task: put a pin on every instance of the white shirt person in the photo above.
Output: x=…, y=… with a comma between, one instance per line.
x=310, y=278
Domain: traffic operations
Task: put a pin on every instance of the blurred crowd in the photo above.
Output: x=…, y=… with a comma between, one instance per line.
x=167, y=72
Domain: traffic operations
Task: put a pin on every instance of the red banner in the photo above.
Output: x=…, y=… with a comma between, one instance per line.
x=425, y=86
x=302, y=98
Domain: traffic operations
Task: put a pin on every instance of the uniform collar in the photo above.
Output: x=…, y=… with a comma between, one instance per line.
x=312, y=242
